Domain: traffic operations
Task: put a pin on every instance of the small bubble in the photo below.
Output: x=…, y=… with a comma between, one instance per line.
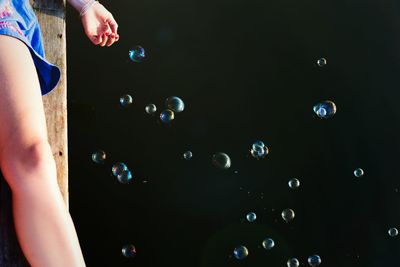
x=99, y=156
x=240, y=252
x=288, y=215
x=251, y=216
x=293, y=262
x=325, y=109
x=129, y=251
x=175, y=104
x=188, y=155
x=314, y=260
x=393, y=232
x=268, y=243
x=150, y=109
x=321, y=62
x=137, y=54
x=125, y=100
x=221, y=160
x=167, y=116
x=358, y=172
x=294, y=183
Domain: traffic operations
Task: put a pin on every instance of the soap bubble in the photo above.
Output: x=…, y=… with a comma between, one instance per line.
x=293, y=262
x=188, y=155
x=175, y=104
x=125, y=100
x=321, y=62
x=287, y=215
x=221, y=160
x=294, y=183
x=129, y=251
x=251, y=216
x=118, y=168
x=150, y=109
x=393, y=232
x=358, y=172
x=167, y=116
x=268, y=243
x=259, y=150
x=325, y=109
x=125, y=177
x=314, y=260
x=99, y=156
x=137, y=54
x=240, y=252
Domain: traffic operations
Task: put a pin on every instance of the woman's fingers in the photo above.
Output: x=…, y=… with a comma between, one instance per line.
x=105, y=39
x=111, y=39
x=113, y=25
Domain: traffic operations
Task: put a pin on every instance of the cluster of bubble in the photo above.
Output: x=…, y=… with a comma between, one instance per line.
x=121, y=171
x=259, y=150
x=173, y=105
x=129, y=251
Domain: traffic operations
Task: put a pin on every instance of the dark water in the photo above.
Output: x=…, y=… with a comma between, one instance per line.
x=246, y=70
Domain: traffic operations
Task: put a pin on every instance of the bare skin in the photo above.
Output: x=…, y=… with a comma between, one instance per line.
x=44, y=227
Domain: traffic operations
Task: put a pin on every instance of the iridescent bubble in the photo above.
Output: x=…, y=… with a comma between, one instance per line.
x=325, y=109
x=118, y=168
x=268, y=243
x=99, y=156
x=137, y=54
x=221, y=160
x=393, y=232
x=188, y=155
x=314, y=260
x=125, y=177
x=293, y=262
x=294, y=183
x=150, y=109
x=175, y=104
x=125, y=100
x=251, y=216
x=287, y=215
x=167, y=116
x=240, y=252
x=129, y=251
x=321, y=62
x=358, y=172
x=259, y=150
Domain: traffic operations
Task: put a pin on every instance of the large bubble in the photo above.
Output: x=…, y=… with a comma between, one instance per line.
x=240, y=252
x=137, y=54
x=221, y=160
x=175, y=104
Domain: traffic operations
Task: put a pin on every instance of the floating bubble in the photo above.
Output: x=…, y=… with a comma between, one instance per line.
x=118, y=168
x=314, y=260
x=268, y=243
x=358, y=172
x=175, y=104
x=188, y=155
x=321, y=62
x=150, y=109
x=259, y=150
x=221, y=160
x=129, y=251
x=137, y=54
x=99, y=156
x=287, y=215
x=294, y=183
x=125, y=177
x=240, y=252
x=325, y=109
x=125, y=100
x=293, y=262
x=393, y=232
x=251, y=216
x=167, y=116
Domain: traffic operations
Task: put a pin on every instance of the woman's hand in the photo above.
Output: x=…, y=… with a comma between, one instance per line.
x=99, y=25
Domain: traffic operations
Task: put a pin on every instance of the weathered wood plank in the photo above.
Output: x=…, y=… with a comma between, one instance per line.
x=51, y=16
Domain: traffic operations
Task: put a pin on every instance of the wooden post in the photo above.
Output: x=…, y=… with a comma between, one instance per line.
x=51, y=16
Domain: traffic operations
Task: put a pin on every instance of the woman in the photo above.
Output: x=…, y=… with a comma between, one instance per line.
x=44, y=227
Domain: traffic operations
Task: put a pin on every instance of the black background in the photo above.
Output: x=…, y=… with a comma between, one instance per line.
x=246, y=70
